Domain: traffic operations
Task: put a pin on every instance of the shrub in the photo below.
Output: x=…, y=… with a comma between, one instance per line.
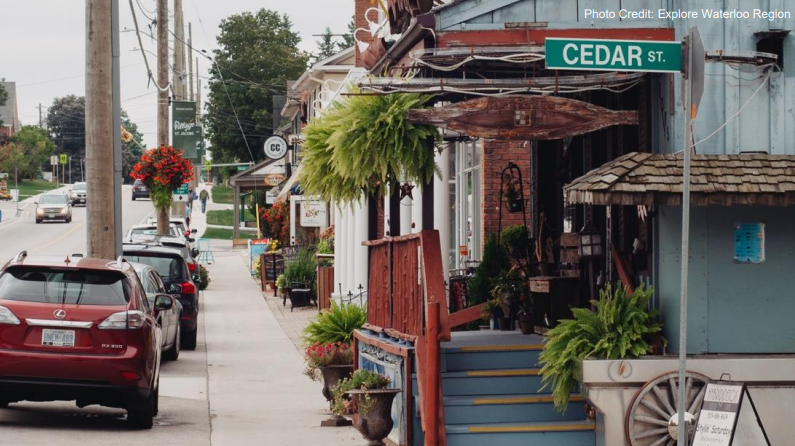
x=300, y=270
x=205, y=278
x=619, y=327
x=335, y=324
x=495, y=260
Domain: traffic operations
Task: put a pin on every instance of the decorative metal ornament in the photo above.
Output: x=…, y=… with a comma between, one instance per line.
x=405, y=191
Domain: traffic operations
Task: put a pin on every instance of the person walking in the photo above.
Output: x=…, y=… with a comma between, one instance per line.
x=203, y=197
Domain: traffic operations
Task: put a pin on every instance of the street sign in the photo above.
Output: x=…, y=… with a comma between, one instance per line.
x=694, y=74
x=54, y=159
x=181, y=193
x=14, y=195
x=63, y=158
x=275, y=147
x=242, y=168
x=613, y=55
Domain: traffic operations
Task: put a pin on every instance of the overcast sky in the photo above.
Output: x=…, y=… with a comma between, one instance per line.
x=43, y=47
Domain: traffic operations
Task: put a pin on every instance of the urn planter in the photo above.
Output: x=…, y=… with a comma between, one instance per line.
x=374, y=421
x=333, y=374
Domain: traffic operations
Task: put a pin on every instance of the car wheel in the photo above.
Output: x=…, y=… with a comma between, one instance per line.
x=133, y=198
x=157, y=398
x=140, y=415
x=189, y=339
x=69, y=220
x=38, y=221
x=173, y=353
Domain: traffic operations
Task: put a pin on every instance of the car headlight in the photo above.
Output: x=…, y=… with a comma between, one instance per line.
x=64, y=210
x=39, y=211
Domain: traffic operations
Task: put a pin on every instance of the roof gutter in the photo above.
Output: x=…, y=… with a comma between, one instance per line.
x=419, y=28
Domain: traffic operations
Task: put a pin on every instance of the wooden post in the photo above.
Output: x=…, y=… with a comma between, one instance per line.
x=100, y=225
x=179, y=51
x=431, y=397
x=162, y=74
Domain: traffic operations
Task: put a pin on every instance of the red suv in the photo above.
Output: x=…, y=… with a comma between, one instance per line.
x=81, y=330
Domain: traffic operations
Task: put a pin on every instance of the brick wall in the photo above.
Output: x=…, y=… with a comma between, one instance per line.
x=361, y=22
x=495, y=157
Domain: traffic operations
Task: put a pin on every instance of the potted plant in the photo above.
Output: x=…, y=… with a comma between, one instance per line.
x=299, y=272
x=335, y=324
x=620, y=326
x=509, y=287
x=372, y=400
x=526, y=313
x=330, y=363
x=495, y=260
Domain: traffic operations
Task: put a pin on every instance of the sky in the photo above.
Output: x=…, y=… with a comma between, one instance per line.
x=43, y=46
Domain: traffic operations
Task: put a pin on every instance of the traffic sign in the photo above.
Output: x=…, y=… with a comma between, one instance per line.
x=275, y=147
x=63, y=158
x=54, y=159
x=181, y=193
x=613, y=55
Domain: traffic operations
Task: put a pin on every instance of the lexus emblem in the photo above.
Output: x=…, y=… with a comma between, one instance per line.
x=59, y=314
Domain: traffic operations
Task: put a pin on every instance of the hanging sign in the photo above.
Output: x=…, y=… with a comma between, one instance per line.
x=613, y=55
x=274, y=179
x=185, y=131
x=313, y=214
x=181, y=193
x=275, y=147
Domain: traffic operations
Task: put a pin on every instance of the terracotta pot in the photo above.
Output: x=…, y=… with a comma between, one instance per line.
x=375, y=413
x=526, y=324
x=333, y=374
x=505, y=324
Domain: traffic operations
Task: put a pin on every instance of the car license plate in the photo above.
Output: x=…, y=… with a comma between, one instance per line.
x=58, y=338
x=50, y=215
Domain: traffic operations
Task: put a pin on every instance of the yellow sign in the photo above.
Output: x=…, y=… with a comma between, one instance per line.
x=273, y=179
x=63, y=158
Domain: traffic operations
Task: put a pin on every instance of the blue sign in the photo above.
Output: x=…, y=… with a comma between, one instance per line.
x=749, y=242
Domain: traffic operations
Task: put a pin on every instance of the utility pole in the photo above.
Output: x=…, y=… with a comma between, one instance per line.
x=190, y=58
x=162, y=96
x=41, y=122
x=179, y=52
x=101, y=221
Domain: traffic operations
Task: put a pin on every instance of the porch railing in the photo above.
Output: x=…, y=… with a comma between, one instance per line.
x=407, y=299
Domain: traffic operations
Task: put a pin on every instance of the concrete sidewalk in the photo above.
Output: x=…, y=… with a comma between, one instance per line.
x=258, y=393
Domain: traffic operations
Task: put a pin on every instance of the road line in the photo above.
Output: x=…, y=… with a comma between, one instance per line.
x=67, y=233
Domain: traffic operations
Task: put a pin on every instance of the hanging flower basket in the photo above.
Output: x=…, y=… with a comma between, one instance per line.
x=163, y=170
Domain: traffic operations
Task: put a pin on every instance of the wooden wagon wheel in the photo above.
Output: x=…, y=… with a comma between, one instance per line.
x=652, y=417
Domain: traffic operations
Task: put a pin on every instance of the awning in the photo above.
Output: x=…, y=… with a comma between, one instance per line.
x=292, y=181
x=656, y=179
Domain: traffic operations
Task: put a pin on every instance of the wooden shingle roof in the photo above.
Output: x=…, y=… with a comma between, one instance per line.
x=656, y=179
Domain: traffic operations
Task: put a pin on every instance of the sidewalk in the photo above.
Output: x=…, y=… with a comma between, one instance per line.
x=258, y=393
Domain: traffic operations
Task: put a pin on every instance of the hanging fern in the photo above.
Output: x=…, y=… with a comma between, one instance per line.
x=619, y=327
x=364, y=142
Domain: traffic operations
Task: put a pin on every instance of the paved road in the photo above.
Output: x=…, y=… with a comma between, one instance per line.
x=184, y=409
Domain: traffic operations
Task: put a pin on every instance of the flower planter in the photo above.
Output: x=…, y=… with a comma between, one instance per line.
x=526, y=324
x=505, y=323
x=515, y=205
x=332, y=375
x=374, y=421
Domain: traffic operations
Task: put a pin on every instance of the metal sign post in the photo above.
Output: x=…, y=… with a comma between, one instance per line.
x=693, y=85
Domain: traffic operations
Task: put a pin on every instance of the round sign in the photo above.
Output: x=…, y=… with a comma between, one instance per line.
x=275, y=147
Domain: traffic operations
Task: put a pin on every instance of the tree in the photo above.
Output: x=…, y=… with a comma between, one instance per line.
x=66, y=122
x=11, y=155
x=36, y=147
x=130, y=151
x=3, y=98
x=257, y=54
x=326, y=46
x=348, y=40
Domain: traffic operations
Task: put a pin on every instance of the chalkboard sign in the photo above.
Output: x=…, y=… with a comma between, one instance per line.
x=721, y=410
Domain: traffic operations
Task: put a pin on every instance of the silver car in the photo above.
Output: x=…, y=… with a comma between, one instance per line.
x=78, y=194
x=54, y=207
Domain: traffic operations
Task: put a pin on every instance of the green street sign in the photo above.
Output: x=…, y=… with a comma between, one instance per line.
x=613, y=55
x=182, y=190
x=242, y=168
x=63, y=158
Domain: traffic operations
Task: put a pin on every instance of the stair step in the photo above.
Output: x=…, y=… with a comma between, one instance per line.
x=491, y=357
x=481, y=409
x=545, y=433
x=492, y=382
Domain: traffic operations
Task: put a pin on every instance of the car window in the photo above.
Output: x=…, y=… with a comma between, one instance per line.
x=142, y=293
x=171, y=269
x=70, y=286
x=146, y=282
x=79, y=187
x=53, y=199
x=159, y=286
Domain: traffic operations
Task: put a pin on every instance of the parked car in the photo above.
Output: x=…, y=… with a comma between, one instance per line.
x=182, y=226
x=168, y=320
x=139, y=190
x=147, y=231
x=173, y=269
x=79, y=329
x=78, y=193
x=53, y=207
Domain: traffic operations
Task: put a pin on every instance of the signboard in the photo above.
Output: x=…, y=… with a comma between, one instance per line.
x=185, y=131
x=270, y=197
x=613, y=55
x=255, y=248
x=242, y=168
x=274, y=179
x=54, y=159
x=725, y=419
x=749, y=243
x=63, y=159
x=14, y=194
x=275, y=147
x=313, y=214
x=181, y=194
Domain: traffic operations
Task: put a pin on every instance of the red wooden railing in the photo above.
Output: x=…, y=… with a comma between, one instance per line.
x=406, y=297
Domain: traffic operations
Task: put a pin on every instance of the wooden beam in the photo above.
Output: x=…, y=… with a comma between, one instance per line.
x=524, y=36
x=467, y=315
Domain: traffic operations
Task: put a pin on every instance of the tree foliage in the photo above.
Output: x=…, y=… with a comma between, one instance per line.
x=326, y=46
x=348, y=40
x=30, y=148
x=130, y=151
x=365, y=142
x=257, y=54
x=66, y=122
x=3, y=99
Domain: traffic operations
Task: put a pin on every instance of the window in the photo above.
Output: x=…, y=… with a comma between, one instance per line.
x=53, y=199
x=58, y=286
x=169, y=268
x=465, y=221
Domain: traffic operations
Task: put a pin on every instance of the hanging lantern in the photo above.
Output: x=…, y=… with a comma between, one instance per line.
x=590, y=242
